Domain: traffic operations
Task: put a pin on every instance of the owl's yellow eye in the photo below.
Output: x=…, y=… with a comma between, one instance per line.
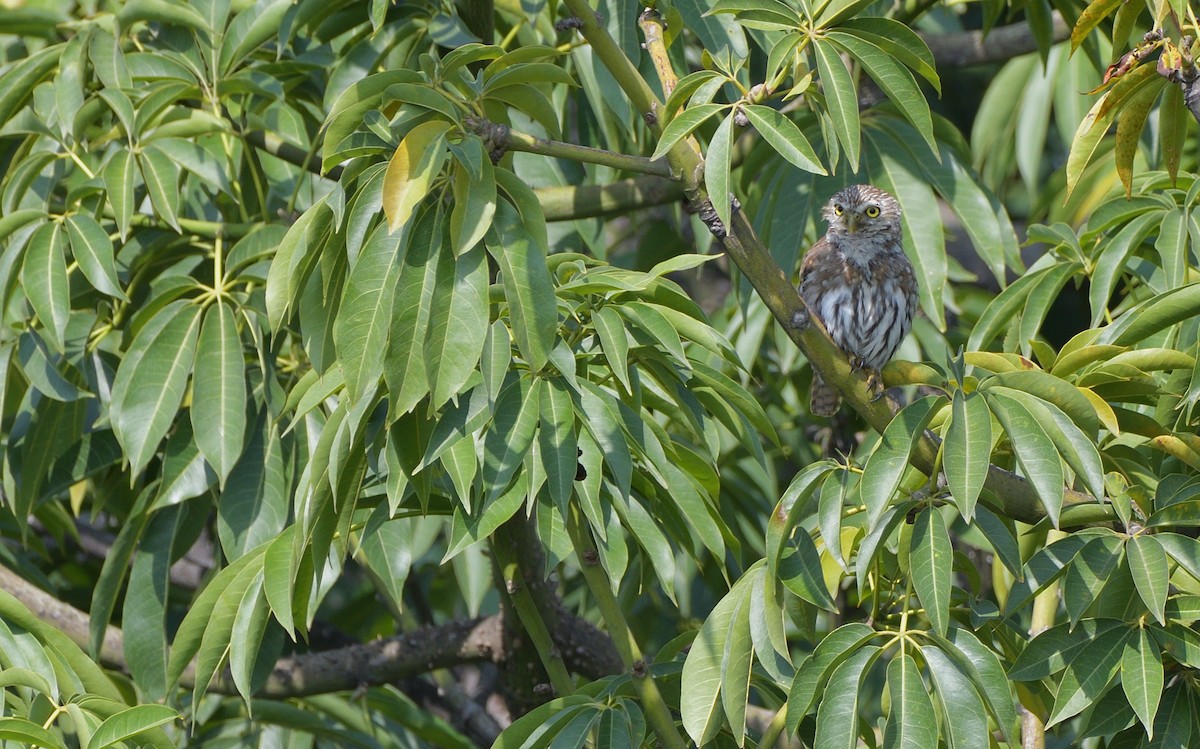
x=838, y=210
x=873, y=211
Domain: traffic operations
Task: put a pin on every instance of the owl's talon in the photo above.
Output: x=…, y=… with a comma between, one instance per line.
x=875, y=384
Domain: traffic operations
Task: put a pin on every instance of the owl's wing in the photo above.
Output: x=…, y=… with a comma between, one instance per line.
x=813, y=258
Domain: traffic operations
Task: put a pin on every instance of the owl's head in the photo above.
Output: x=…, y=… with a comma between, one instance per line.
x=863, y=211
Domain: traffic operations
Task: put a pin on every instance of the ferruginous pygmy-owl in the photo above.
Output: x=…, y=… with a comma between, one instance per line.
x=859, y=283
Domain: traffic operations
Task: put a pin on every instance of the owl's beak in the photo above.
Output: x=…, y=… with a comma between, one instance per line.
x=851, y=222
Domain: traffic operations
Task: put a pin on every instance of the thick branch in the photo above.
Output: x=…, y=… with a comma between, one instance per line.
x=285, y=151
x=584, y=648
x=585, y=201
x=962, y=48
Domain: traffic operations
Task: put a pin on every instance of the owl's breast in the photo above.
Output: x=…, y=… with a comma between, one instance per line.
x=867, y=310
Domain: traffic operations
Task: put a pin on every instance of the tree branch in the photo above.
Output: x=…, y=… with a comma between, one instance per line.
x=385, y=661
x=963, y=48
x=500, y=138
x=585, y=201
x=285, y=151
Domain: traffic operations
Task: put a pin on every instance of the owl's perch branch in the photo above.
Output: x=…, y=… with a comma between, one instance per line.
x=1009, y=494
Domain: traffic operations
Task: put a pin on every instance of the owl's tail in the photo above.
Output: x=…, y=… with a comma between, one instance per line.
x=823, y=400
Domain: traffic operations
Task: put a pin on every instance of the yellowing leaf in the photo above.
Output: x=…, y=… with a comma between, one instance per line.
x=417, y=161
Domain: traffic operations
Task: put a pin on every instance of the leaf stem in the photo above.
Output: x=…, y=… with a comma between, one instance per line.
x=501, y=136
x=775, y=729
x=517, y=590
x=658, y=714
x=1045, y=606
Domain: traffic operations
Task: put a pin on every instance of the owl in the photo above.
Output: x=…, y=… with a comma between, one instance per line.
x=859, y=284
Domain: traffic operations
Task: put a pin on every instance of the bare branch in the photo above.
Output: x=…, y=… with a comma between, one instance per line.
x=963, y=48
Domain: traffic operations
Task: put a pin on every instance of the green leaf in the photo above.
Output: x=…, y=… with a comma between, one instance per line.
x=837, y=717
x=511, y=433
x=20, y=77
x=163, y=11
x=931, y=562
x=912, y=724
x=785, y=137
x=1089, y=19
x=800, y=571
x=528, y=205
x=1087, y=678
x=246, y=637
x=1078, y=449
x=841, y=101
x=982, y=215
x=1142, y=677
x=219, y=391
x=895, y=80
x=1053, y=390
x=364, y=319
x=28, y=733
x=688, y=85
x=253, y=508
x=888, y=463
x=118, y=176
x=968, y=449
x=294, y=260
x=539, y=727
x=44, y=279
x=404, y=365
x=532, y=307
x=93, y=250
x=424, y=96
x=1156, y=313
x=150, y=381
x=130, y=722
x=145, y=606
x=983, y=667
x=1148, y=565
x=458, y=322
x=814, y=673
x=1052, y=650
x=474, y=201
x=10, y=222
x=830, y=504
x=1044, y=567
x=717, y=163
x=252, y=27
x=1088, y=574
x=964, y=718
x=217, y=638
x=736, y=660
x=558, y=444
x=411, y=171
x=1035, y=451
x=610, y=331
x=161, y=177
x=897, y=40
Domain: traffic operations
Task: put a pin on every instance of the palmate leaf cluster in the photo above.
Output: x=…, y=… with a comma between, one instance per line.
x=276, y=285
